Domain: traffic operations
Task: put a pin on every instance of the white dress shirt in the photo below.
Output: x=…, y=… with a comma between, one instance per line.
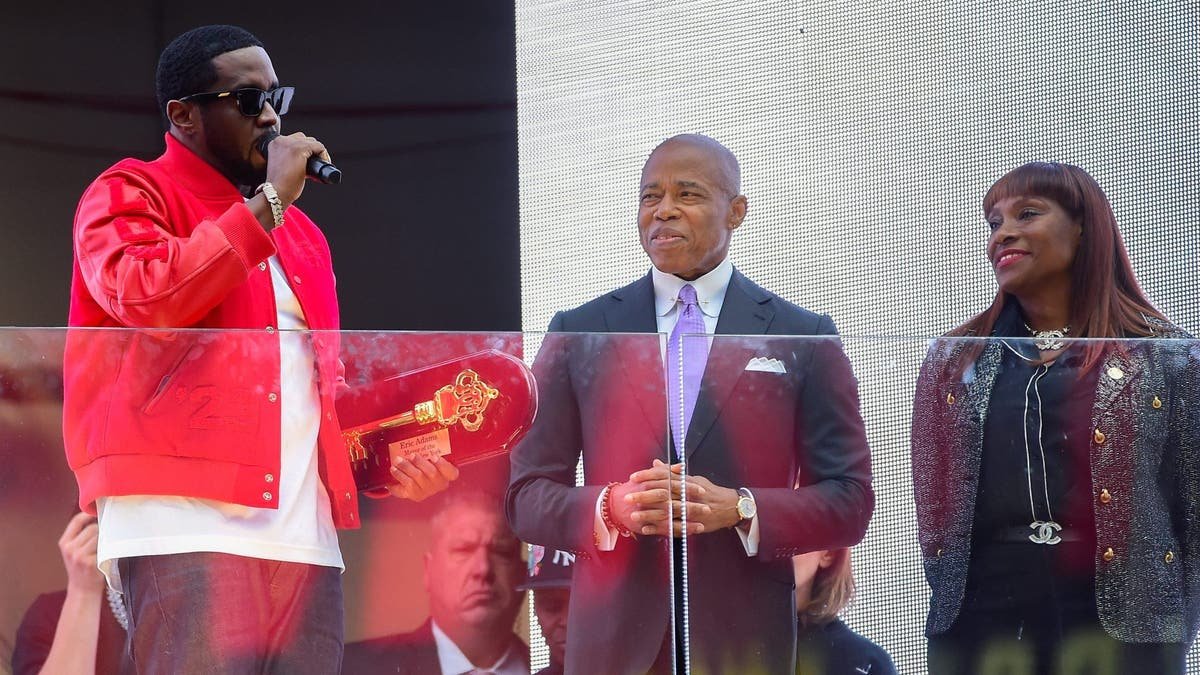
x=453, y=662
x=710, y=296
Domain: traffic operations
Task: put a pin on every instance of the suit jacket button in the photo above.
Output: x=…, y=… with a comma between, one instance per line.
x=1156, y=403
x=950, y=398
x=1169, y=557
x=1099, y=437
x=939, y=553
x=1105, y=497
x=1109, y=555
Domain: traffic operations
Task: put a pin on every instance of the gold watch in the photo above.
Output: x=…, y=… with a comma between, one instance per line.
x=746, y=507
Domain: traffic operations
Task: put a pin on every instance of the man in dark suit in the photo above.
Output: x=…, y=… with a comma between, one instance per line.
x=758, y=416
x=472, y=571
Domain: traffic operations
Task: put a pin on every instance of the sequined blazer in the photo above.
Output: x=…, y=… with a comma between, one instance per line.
x=1145, y=474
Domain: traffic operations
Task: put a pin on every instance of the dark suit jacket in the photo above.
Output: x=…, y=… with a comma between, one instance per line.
x=412, y=653
x=602, y=396
x=834, y=649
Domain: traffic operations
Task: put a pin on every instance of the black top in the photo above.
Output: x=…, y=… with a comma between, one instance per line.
x=36, y=635
x=1035, y=468
x=834, y=649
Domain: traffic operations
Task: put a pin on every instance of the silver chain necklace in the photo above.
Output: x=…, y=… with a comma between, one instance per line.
x=1048, y=340
x=1044, y=531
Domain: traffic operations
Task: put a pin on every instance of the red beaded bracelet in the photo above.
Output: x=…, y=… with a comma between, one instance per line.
x=606, y=513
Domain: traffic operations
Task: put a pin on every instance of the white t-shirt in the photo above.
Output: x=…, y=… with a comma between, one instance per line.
x=300, y=530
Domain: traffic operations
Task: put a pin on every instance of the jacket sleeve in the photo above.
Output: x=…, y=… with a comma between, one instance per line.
x=1185, y=441
x=543, y=505
x=832, y=510
x=142, y=271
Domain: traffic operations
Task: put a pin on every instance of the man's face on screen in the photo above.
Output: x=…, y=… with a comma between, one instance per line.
x=686, y=209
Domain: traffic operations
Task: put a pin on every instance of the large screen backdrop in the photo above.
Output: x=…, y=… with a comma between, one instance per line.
x=868, y=133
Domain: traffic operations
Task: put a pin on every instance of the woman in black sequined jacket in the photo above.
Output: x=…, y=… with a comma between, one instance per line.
x=1057, y=482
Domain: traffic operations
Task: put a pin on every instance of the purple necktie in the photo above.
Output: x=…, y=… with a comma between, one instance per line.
x=682, y=388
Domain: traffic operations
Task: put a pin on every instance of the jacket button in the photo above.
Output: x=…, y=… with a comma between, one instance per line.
x=1156, y=403
x=267, y=496
x=348, y=497
x=296, y=278
x=1105, y=497
x=270, y=478
x=1116, y=373
x=1109, y=555
x=272, y=397
x=262, y=266
x=950, y=398
x=939, y=553
x=270, y=329
x=1099, y=437
x=1169, y=557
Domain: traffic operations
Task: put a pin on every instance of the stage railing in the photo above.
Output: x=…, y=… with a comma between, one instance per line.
x=903, y=450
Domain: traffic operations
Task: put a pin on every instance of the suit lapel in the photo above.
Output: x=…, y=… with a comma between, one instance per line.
x=978, y=380
x=746, y=311
x=631, y=310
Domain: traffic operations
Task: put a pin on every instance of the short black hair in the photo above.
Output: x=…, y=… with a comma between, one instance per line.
x=185, y=66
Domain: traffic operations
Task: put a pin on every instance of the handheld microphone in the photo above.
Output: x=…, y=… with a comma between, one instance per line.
x=317, y=169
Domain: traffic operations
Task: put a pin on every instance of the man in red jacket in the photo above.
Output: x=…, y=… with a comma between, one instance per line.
x=213, y=456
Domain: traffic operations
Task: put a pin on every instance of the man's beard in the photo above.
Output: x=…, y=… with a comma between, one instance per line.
x=248, y=177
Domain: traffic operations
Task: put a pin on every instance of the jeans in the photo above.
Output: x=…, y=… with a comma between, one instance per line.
x=221, y=613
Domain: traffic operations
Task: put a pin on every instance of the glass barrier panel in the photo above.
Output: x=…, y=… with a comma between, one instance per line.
x=1022, y=511
x=582, y=486
x=1031, y=505
x=430, y=577
x=384, y=461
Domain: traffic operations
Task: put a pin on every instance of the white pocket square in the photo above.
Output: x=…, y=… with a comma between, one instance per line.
x=762, y=364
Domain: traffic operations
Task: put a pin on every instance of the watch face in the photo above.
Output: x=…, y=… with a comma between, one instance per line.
x=745, y=507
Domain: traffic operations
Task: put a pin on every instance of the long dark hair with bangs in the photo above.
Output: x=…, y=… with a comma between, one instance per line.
x=1106, y=300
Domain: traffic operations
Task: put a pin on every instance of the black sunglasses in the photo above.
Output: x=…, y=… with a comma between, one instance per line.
x=250, y=101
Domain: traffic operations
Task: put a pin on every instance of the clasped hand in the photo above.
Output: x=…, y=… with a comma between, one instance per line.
x=651, y=502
